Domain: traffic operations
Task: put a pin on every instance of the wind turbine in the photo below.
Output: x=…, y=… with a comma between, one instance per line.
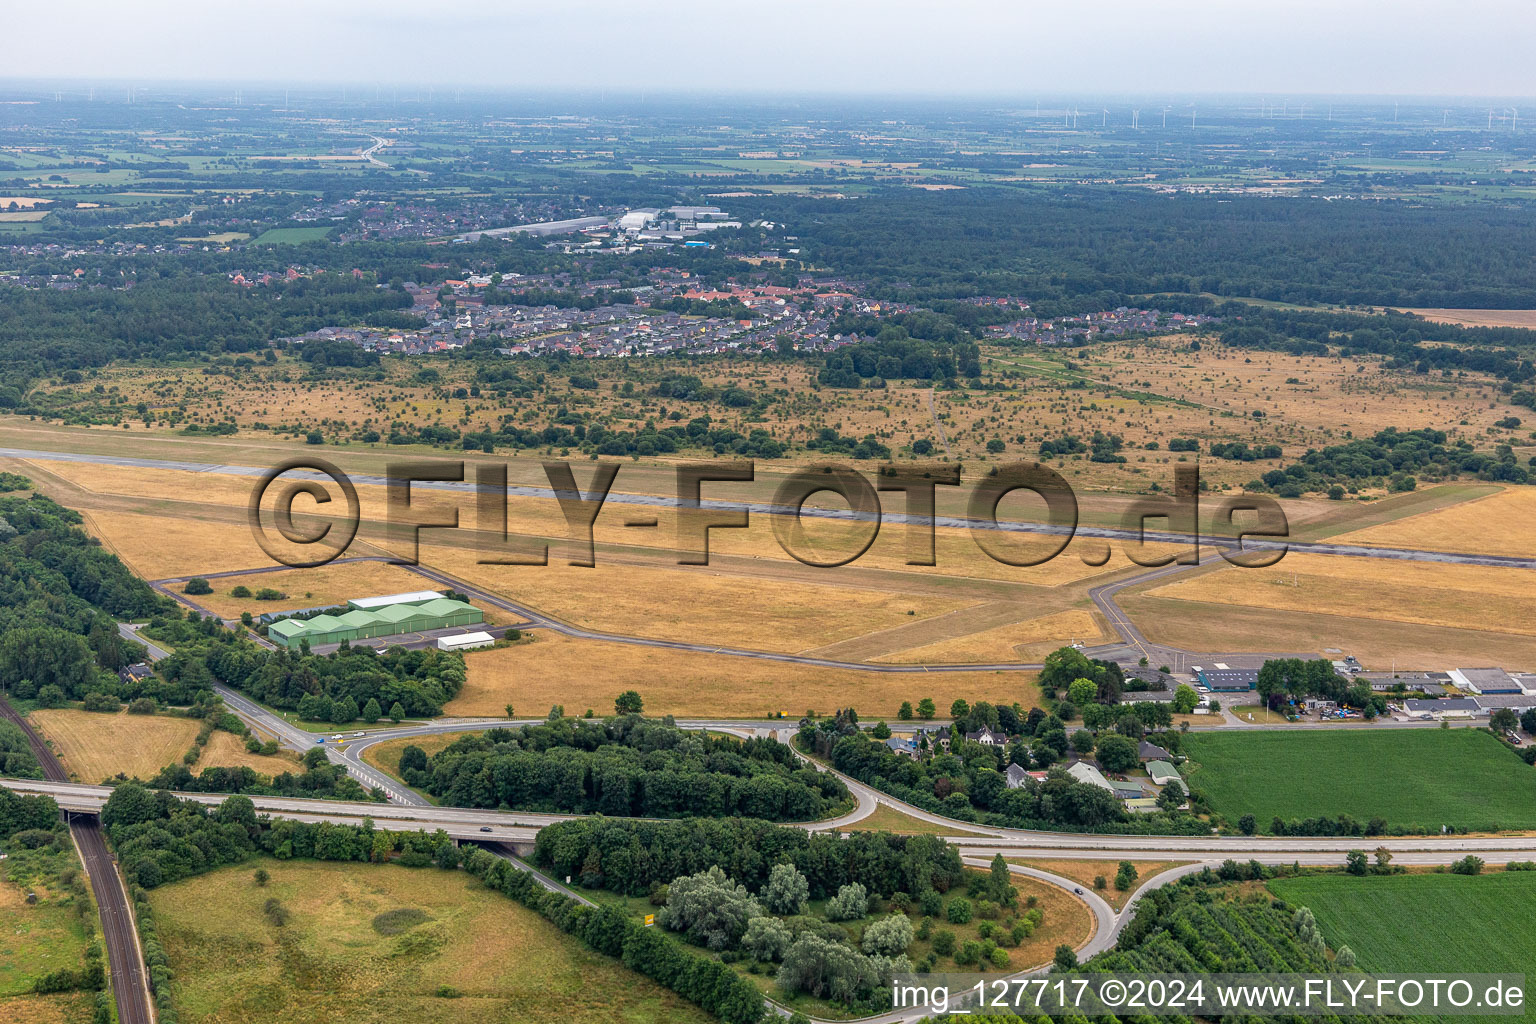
x=1104, y=118
x=1165, y=117
x=1135, y=119
x=1192, y=113
x=1514, y=118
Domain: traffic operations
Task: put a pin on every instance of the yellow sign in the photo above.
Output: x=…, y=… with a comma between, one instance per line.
x=650, y=919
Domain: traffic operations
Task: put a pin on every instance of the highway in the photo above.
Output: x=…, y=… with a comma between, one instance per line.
x=512, y=832
x=125, y=961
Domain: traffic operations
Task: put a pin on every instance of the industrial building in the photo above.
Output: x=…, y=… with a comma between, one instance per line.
x=1228, y=680
x=465, y=641
x=1485, y=680
x=377, y=616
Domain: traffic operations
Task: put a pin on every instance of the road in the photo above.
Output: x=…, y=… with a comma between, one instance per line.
x=531, y=619
x=125, y=961
x=511, y=831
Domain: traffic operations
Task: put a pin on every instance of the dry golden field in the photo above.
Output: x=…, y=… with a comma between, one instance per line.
x=157, y=547
x=332, y=584
x=1479, y=317
x=1460, y=596
x=1504, y=523
x=1016, y=641
x=581, y=674
x=886, y=818
x=337, y=958
x=1085, y=871
x=61, y=1008
x=386, y=756
x=95, y=745
x=752, y=594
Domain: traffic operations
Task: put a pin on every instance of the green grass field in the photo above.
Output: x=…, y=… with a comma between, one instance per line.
x=383, y=943
x=1424, y=924
x=36, y=938
x=290, y=236
x=1414, y=778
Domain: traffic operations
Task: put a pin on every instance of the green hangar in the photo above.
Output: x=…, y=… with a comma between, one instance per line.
x=370, y=617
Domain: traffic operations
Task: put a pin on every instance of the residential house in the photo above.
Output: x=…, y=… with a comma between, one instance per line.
x=986, y=737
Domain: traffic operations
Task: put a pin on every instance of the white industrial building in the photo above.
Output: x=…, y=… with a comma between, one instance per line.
x=465, y=641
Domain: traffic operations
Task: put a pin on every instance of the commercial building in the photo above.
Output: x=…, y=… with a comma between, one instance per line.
x=1228, y=680
x=1484, y=680
x=1450, y=707
x=367, y=618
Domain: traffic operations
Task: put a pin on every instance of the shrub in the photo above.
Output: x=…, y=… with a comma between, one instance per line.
x=959, y=910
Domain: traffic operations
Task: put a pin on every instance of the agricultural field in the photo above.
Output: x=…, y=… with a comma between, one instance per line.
x=290, y=236
x=1479, y=317
x=377, y=944
x=96, y=745
x=1417, y=779
x=1424, y=923
x=533, y=677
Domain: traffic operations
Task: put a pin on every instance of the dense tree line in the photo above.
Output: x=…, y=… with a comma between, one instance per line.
x=319, y=779
x=60, y=592
x=45, y=330
x=16, y=757
x=625, y=766
x=631, y=857
x=649, y=951
x=26, y=813
x=354, y=679
x=1065, y=247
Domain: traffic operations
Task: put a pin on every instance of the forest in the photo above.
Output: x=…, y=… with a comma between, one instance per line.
x=351, y=683
x=1064, y=246
x=60, y=593
x=625, y=766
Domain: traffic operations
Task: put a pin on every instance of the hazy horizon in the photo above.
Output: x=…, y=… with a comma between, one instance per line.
x=897, y=48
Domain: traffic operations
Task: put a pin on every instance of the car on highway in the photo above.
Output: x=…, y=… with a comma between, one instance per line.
x=1078, y=891
x=485, y=828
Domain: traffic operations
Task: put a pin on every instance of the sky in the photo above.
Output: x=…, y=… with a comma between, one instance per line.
x=1018, y=48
